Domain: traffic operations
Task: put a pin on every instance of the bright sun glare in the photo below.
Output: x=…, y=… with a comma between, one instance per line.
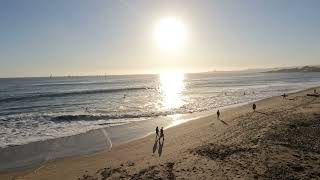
x=171, y=86
x=170, y=34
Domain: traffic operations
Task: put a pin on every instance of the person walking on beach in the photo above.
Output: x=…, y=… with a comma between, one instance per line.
x=161, y=133
x=315, y=91
x=218, y=114
x=284, y=96
x=157, y=132
x=254, y=107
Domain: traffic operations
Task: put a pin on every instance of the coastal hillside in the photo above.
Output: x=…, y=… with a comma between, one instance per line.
x=296, y=69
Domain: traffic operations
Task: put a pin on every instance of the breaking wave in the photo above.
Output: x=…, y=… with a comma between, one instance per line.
x=72, y=93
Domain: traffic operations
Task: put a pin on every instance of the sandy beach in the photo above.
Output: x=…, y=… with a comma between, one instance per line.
x=101, y=90
x=280, y=140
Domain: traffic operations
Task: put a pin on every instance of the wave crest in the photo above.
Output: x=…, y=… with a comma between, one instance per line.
x=72, y=93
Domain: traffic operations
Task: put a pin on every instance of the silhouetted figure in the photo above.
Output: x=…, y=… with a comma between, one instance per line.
x=284, y=95
x=124, y=96
x=161, y=133
x=157, y=132
x=254, y=107
x=218, y=114
x=244, y=93
x=315, y=91
x=86, y=110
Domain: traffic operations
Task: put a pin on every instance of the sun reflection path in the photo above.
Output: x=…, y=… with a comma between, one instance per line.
x=171, y=87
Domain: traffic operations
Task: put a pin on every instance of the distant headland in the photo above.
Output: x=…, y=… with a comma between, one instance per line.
x=296, y=69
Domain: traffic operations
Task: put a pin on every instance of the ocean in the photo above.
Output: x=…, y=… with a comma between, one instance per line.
x=38, y=109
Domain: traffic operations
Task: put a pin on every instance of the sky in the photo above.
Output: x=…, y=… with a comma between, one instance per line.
x=82, y=37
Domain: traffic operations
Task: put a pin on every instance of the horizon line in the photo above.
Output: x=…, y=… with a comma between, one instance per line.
x=199, y=72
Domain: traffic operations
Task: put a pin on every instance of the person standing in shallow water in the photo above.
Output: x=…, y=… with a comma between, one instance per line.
x=218, y=114
x=157, y=132
x=254, y=107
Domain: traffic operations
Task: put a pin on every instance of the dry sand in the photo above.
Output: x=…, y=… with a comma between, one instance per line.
x=281, y=140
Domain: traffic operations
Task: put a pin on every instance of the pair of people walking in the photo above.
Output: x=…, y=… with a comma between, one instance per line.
x=161, y=133
x=158, y=141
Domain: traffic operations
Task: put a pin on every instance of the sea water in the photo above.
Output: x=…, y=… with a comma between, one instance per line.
x=37, y=109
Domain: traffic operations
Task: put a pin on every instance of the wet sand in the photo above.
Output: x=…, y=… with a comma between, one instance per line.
x=279, y=141
x=40, y=152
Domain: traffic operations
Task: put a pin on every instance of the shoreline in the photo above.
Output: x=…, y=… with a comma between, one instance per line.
x=48, y=150
x=15, y=158
x=103, y=140
x=27, y=138
x=189, y=125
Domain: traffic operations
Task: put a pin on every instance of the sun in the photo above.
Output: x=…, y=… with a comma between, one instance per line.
x=170, y=34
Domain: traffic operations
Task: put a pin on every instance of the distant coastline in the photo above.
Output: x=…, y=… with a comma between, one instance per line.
x=296, y=69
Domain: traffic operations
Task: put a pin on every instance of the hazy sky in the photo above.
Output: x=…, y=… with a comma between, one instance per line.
x=78, y=37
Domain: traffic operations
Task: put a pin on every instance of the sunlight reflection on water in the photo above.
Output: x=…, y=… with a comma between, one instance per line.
x=171, y=86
